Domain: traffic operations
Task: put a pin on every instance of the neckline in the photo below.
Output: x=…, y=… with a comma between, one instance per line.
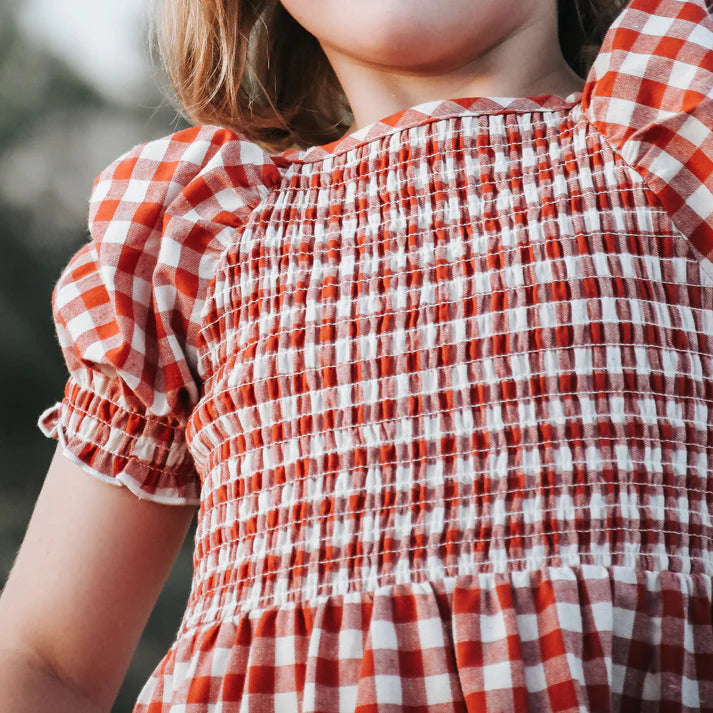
x=427, y=112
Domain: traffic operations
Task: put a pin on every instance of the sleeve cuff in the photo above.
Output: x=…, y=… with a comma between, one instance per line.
x=147, y=455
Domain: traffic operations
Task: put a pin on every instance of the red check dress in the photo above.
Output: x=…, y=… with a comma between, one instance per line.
x=442, y=391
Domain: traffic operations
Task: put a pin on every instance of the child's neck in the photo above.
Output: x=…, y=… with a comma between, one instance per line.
x=527, y=62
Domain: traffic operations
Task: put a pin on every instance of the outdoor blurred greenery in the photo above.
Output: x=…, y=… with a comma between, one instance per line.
x=56, y=133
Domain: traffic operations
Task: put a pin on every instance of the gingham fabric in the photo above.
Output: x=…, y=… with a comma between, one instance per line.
x=127, y=306
x=442, y=389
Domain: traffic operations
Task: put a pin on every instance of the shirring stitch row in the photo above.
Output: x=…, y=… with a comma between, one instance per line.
x=234, y=335
x=325, y=216
x=193, y=448
x=76, y=439
x=539, y=488
x=355, y=535
x=452, y=454
x=243, y=583
x=209, y=385
x=288, y=600
x=94, y=396
x=450, y=174
x=358, y=249
x=451, y=164
x=301, y=157
x=236, y=332
x=214, y=551
x=197, y=614
x=198, y=619
x=211, y=395
x=443, y=283
x=380, y=508
x=625, y=371
x=207, y=427
x=359, y=246
x=428, y=546
x=505, y=250
x=295, y=597
x=175, y=445
x=486, y=564
x=470, y=502
x=565, y=144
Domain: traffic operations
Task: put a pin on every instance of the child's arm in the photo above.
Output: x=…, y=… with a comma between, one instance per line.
x=92, y=564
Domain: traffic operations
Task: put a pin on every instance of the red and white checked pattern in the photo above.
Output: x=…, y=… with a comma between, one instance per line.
x=454, y=414
x=427, y=112
x=127, y=306
x=589, y=639
x=650, y=92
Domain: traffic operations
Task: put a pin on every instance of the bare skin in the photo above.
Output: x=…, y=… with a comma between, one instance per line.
x=392, y=54
x=92, y=564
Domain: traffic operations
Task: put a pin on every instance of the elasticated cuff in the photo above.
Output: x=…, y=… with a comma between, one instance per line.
x=147, y=455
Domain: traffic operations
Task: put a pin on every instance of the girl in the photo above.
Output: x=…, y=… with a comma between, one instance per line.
x=440, y=387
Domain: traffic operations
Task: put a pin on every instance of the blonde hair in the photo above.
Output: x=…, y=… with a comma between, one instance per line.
x=241, y=64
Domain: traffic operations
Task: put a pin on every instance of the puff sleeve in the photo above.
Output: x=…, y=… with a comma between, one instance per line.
x=126, y=307
x=650, y=93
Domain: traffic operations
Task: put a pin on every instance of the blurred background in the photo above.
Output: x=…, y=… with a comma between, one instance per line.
x=77, y=89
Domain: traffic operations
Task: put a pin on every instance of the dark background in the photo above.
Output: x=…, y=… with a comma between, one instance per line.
x=60, y=125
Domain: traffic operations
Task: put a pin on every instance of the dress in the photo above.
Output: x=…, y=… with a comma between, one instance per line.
x=442, y=391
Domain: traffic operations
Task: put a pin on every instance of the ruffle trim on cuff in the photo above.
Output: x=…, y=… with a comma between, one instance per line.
x=147, y=455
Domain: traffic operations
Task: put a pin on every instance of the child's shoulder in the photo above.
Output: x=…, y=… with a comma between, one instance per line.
x=195, y=146
x=655, y=58
x=203, y=169
x=650, y=93
x=169, y=163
